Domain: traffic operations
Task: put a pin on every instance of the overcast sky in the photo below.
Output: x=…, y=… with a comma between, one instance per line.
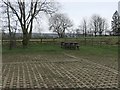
x=78, y=9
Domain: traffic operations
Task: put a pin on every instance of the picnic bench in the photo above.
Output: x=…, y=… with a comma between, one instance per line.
x=70, y=45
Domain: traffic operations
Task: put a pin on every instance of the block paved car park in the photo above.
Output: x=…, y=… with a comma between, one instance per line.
x=63, y=71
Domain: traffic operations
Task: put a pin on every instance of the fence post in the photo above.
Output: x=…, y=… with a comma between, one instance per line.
x=41, y=40
x=92, y=40
x=85, y=40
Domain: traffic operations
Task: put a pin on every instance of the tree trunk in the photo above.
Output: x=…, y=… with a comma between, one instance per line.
x=25, y=40
x=10, y=45
x=26, y=35
x=12, y=41
x=59, y=35
x=95, y=34
x=100, y=33
x=10, y=33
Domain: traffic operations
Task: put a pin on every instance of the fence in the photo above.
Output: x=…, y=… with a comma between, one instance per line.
x=82, y=41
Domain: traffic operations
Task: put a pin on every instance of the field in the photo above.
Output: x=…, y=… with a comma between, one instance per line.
x=47, y=66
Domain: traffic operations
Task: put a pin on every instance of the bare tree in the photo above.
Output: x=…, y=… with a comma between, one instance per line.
x=106, y=27
x=98, y=24
x=26, y=13
x=10, y=33
x=102, y=25
x=94, y=24
x=7, y=21
x=84, y=27
x=77, y=31
x=59, y=23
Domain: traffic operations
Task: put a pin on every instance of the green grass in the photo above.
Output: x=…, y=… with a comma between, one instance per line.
x=96, y=51
x=33, y=49
x=107, y=48
x=100, y=54
x=105, y=55
x=55, y=48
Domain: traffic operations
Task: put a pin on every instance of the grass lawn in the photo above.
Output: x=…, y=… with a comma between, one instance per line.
x=105, y=55
x=84, y=50
x=34, y=49
x=100, y=54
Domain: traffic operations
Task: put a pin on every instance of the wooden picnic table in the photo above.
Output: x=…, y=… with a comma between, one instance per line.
x=70, y=45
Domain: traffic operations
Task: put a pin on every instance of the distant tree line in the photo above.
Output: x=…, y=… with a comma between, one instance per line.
x=96, y=26
x=60, y=23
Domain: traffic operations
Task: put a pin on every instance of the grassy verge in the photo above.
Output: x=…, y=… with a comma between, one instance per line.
x=33, y=49
x=85, y=51
x=107, y=55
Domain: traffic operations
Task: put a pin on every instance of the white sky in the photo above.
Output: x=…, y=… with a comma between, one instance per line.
x=78, y=9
